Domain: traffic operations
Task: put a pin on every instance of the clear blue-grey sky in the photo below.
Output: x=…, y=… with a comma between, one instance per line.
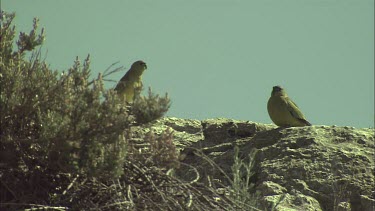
x=220, y=58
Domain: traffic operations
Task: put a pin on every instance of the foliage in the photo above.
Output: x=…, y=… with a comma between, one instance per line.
x=54, y=122
x=238, y=186
x=241, y=185
x=150, y=108
x=157, y=150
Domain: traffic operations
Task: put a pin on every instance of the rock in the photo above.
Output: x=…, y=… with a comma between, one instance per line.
x=291, y=202
x=298, y=168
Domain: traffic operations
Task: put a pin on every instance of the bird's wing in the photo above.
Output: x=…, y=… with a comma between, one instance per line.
x=124, y=81
x=121, y=85
x=118, y=86
x=294, y=110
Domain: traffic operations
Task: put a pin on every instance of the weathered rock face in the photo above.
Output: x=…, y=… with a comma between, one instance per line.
x=299, y=168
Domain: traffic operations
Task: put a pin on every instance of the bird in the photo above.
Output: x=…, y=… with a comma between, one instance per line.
x=131, y=82
x=283, y=111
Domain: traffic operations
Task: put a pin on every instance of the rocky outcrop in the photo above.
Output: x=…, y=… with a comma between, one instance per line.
x=298, y=168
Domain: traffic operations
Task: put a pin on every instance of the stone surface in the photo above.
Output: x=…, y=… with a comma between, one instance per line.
x=298, y=168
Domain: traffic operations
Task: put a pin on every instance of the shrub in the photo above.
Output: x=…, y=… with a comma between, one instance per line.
x=60, y=123
x=64, y=139
x=150, y=108
x=157, y=150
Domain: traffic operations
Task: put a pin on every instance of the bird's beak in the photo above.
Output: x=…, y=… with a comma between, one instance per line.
x=144, y=64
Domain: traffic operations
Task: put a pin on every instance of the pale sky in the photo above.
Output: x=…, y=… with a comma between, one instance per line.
x=221, y=58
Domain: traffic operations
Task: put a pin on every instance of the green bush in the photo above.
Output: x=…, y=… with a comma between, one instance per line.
x=60, y=122
x=150, y=108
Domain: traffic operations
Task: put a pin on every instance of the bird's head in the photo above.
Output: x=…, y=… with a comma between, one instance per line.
x=139, y=65
x=278, y=91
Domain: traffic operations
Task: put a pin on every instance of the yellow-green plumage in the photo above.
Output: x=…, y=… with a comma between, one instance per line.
x=283, y=111
x=131, y=81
